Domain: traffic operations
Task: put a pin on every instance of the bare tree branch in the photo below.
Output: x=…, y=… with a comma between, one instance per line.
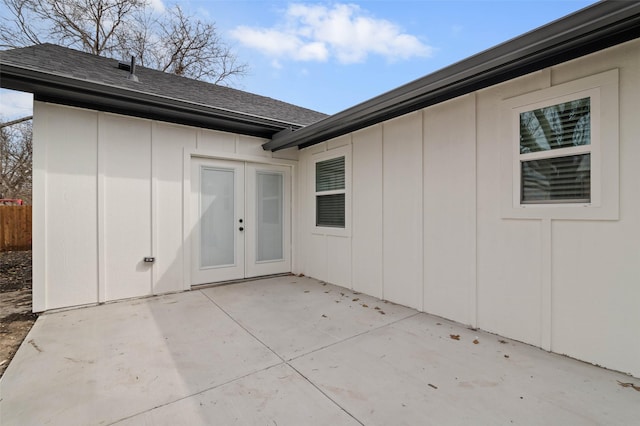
x=172, y=41
x=194, y=49
x=17, y=30
x=16, y=152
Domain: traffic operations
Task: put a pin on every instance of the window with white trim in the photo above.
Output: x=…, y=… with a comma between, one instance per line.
x=555, y=153
x=560, y=157
x=330, y=192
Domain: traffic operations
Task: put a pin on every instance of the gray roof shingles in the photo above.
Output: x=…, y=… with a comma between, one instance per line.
x=65, y=62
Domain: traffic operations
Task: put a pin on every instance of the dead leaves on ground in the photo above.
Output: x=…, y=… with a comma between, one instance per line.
x=457, y=337
x=353, y=299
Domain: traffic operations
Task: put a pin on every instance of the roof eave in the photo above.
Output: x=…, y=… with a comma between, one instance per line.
x=86, y=94
x=592, y=29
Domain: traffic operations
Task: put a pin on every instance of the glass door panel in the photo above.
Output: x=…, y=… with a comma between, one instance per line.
x=268, y=219
x=269, y=215
x=217, y=216
x=217, y=221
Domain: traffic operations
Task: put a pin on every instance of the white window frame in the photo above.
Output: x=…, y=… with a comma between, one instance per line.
x=602, y=89
x=593, y=148
x=344, y=151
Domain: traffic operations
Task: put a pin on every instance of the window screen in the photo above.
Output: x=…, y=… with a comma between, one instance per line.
x=555, y=159
x=330, y=174
x=560, y=179
x=330, y=193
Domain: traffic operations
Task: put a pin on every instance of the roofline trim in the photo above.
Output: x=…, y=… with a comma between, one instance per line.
x=28, y=76
x=593, y=28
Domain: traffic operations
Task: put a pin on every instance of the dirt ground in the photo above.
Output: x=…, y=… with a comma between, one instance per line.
x=16, y=318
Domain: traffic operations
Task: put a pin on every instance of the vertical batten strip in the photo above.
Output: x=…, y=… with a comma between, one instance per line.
x=545, y=284
x=349, y=219
x=100, y=195
x=186, y=217
x=423, y=173
x=382, y=145
x=473, y=289
x=153, y=199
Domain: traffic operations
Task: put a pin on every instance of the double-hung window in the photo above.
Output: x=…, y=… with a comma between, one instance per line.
x=330, y=191
x=560, y=152
x=330, y=175
x=555, y=153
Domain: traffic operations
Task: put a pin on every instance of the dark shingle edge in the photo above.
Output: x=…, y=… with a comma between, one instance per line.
x=62, y=75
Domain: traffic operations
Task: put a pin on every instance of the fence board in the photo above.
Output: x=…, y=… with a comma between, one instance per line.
x=15, y=228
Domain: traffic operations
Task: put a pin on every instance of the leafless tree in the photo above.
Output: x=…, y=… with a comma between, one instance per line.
x=88, y=25
x=16, y=151
x=172, y=41
x=182, y=44
x=17, y=28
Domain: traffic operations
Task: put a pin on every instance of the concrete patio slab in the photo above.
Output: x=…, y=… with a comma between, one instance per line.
x=276, y=396
x=293, y=350
x=296, y=315
x=101, y=364
x=413, y=372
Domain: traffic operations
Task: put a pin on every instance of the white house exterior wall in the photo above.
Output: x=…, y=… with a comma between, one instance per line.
x=65, y=233
x=427, y=228
x=108, y=191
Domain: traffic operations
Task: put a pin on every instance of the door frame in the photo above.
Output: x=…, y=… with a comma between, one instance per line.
x=189, y=154
x=254, y=267
x=229, y=271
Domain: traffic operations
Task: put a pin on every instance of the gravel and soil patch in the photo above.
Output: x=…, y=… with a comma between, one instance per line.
x=16, y=318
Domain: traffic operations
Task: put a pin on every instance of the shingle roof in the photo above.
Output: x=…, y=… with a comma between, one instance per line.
x=51, y=61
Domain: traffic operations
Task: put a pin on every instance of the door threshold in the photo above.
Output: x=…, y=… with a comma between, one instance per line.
x=240, y=280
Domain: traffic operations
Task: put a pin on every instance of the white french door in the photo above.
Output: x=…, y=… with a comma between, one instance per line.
x=240, y=215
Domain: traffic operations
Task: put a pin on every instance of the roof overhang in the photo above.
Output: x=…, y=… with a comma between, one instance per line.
x=589, y=30
x=87, y=94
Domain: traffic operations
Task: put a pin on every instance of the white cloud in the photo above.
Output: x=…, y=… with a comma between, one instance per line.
x=280, y=44
x=157, y=6
x=15, y=105
x=343, y=31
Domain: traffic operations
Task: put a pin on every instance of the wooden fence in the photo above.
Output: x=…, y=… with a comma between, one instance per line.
x=15, y=228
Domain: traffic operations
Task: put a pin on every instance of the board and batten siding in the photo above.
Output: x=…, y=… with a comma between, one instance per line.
x=108, y=191
x=427, y=229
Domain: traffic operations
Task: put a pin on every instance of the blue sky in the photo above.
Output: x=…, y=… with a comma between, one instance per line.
x=329, y=56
